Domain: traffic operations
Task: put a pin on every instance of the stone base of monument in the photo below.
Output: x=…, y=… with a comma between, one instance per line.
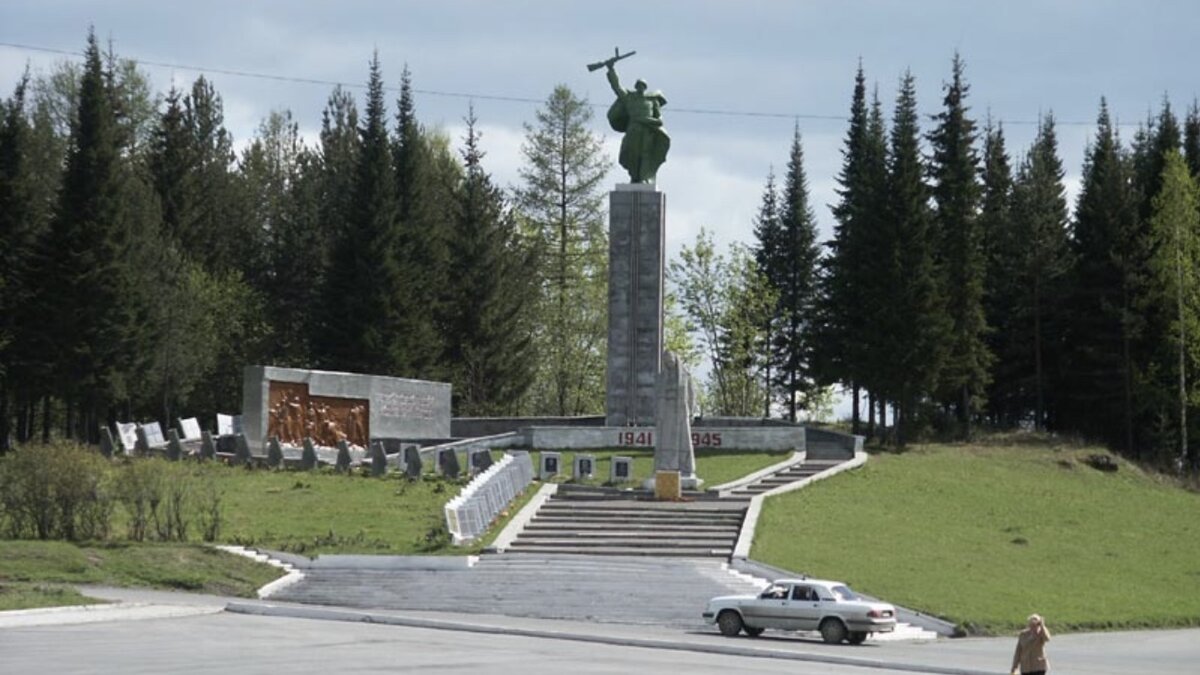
x=690, y=482
x=667, y=485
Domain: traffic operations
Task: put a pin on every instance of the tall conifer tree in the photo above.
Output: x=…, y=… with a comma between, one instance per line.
x=488, y=341
x=89, y=266
x=1191, y=139
x=363, y=330
x=422, y=210
x=1098, y=372
x=768, y=236
x=1040, y=220
x=954, y=170
x=792, y=341
x=914, y=317
x=1001, y=251
x=841, y=355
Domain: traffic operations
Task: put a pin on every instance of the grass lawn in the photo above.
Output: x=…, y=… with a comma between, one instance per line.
x=324, y=512
x=984, y=535
x=36, y=573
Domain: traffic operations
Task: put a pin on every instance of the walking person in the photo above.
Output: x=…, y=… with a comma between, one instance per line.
x=1030, y=655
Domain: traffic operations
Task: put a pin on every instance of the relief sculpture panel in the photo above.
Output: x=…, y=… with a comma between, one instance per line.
x=294, y=414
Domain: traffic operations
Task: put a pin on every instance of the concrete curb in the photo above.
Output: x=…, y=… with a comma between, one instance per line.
x=327, y=614
x=510, y=532
x=291, y=576
x=118, y=611
x=796, y=458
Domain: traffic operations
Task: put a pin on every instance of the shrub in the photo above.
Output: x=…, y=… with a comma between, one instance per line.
x=55, y=491
x=139, y=487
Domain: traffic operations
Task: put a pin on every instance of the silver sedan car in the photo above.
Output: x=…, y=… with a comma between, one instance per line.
x=803, y=604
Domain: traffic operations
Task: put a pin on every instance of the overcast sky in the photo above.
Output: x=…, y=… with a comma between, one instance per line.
x=783, y=62
x=773, y=63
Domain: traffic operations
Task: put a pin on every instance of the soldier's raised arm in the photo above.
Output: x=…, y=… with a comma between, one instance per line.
x=611, y=74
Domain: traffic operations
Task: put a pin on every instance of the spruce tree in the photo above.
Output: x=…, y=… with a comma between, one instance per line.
x=364, y=291
x=1040, y=222
x=915, y=315
x=171, y=162
x=954, y=169
x=280, y=178
x=1002, y=250
x=1162, y=135
x=768, y=235
x=1098, y=372
x=1191, y=139
x=792, y=344
x=841, y=355
x=488, y=338
x=90, y=266
x=16, y=218
x=332, y=180
x=213, y=229
x=421, y=204
x=561, y=199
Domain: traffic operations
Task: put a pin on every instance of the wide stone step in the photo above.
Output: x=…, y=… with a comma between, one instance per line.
x=543, y=526
x=556, y=507
x=619, y=533
x=558, y=512
x=673, y=552
x=627, y=504
x=622, y=542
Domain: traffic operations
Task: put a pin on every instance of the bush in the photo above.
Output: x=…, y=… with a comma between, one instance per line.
x=55, y=491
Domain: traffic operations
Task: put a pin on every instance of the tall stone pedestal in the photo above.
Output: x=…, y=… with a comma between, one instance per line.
x=637, y=245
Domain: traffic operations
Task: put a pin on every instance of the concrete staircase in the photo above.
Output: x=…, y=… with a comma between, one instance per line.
x=791, y=474
x=602, y=521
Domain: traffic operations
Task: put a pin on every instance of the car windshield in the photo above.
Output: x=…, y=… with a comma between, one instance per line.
x=844, y=593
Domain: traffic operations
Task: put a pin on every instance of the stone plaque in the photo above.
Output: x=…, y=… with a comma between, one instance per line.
x=585, y=466
x=208, y=449
x=308, y=457
x=549, y=464
x=127, y=432
x=174, y=447
x=480, y=460
x=621, y=470
x=190, y=428
x=107, y=444
x=412, y=461
x=224, y=425
x=274, y=453
x=447, y=463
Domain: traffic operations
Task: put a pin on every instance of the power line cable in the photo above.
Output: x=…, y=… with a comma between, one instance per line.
x=486, y=97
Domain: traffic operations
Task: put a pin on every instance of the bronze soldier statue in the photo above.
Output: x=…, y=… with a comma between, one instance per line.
x=637, y=113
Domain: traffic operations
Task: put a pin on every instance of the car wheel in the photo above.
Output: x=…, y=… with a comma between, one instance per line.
x=856, y=637
x=833, y=631
x=730, y=623
x=751, y=631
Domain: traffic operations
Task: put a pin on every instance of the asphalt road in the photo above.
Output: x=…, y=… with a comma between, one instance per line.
x=176, y=633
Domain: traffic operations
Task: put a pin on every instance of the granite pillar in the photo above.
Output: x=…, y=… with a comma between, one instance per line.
x=636, y=259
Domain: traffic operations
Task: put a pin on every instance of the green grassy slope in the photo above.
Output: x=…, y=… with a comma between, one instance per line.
x=985, y=535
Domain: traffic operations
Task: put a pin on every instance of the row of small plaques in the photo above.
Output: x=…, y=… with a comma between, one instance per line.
x=620, y=469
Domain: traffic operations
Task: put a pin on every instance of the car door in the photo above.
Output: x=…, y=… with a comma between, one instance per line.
x=804, y=611
x=769, y=609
